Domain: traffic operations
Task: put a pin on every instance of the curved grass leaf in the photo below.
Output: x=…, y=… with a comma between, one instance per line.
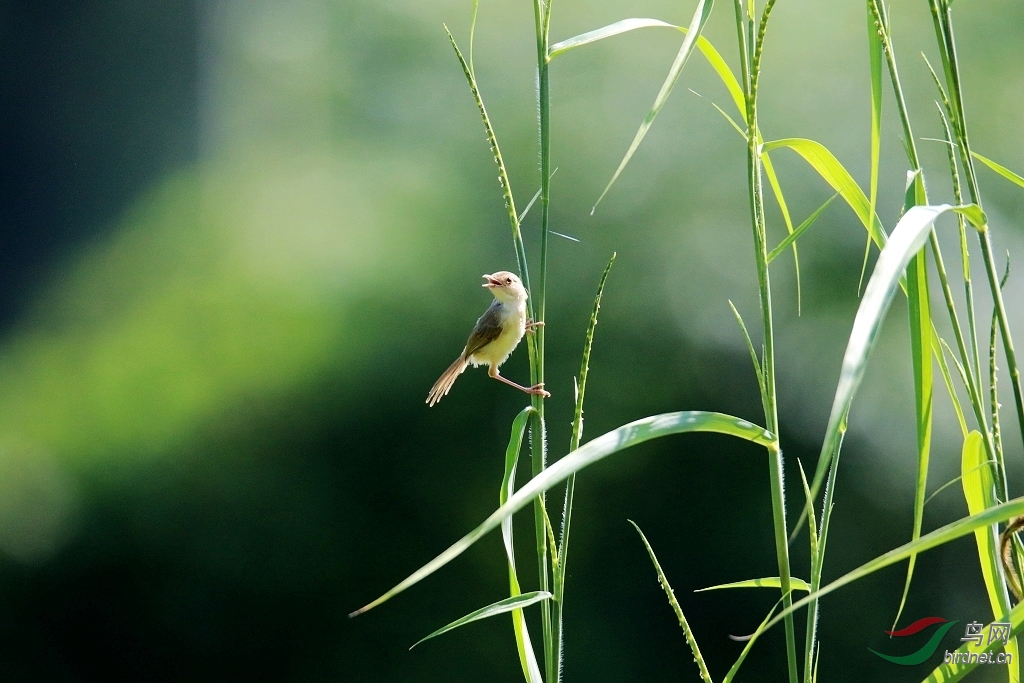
x=940, y=536
x=920, y=324
x=619, y=27
x=713, y=56
x=980, y=492
x=524, y=646
x=607, y=444
x=907, y=239
x=767, y=582
x=700, y=17
x=675, y=607
x=753, y=357
x=517, y=602
x=1001, y=170
x=833, y=173
x=795, y=235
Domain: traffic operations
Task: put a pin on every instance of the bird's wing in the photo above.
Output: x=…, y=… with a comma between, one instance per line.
x=488, y=328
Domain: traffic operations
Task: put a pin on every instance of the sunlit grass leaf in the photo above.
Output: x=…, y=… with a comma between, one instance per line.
x=979, y=491
x=940, y=536
x=773, y=181
x=1001, y=170
x=875, y=54
x=906, y=240
x=713, y=56
x=700, y=17
x=801, y=229
x=524, y=646
x=767, y=582
x=607, y=444
x=517, y=602
x=619, y=27
x=919, y=313
x=753, y=356
x=833, y=173
x=675, y=607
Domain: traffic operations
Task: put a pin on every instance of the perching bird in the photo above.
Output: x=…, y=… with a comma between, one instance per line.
x=495, y=336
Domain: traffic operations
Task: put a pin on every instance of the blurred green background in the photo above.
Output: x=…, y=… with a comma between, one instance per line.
x=239, y=240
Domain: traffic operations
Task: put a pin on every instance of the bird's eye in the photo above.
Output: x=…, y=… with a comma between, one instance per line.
x=508, y=281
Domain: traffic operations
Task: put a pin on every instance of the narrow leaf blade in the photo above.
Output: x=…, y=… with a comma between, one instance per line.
x=700, y=17
x=603, y=446
x=767, y=582
x=517, y=602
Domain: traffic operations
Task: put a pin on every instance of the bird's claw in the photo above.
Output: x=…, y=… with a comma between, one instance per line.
x=531, y=326
x=538, y=390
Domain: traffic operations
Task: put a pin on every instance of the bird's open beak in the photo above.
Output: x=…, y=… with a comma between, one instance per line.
x=491, y=281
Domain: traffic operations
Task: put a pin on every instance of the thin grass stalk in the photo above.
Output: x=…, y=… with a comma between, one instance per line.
x=942, y=17
x=965, y=259
x=538, y=441
x=764, y=286
x=570, y=483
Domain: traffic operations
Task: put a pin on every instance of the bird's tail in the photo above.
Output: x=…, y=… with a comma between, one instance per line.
x=444, y=383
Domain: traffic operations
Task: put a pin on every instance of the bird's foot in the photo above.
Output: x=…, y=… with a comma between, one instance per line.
x=538, y=390
x=531, y=326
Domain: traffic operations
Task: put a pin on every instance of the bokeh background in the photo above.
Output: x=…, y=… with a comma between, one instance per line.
x=239, y=239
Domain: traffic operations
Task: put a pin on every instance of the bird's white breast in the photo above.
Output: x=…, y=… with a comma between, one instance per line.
x=513, y=327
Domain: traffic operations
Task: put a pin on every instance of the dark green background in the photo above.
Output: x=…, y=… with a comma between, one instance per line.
x=240, y=240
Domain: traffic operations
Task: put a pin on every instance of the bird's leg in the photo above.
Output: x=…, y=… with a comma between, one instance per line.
x=531, y=326
x=537, y=389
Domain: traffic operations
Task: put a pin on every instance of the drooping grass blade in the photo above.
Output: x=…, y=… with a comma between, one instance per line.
x=517, y=603
x=524, y=646
x=906, y=240
x=607, y=444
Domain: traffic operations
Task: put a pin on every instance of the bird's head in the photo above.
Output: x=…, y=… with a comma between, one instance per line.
x=505, y=286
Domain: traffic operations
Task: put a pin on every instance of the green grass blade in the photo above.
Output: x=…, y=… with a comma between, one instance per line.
x=700, y=17
x=517, y=602
x=875, y=55
x=979, y=491
x=524, y=646
x=919, y=310
x=795, y=235
x=978, y=481
x=833, y=173
x=713, y=56
x=663, y=581
x=773, y=180
x=753, y=357
x=910, y=234
x=1001, y=170
x=940, y=536
x=937, y=349
x=767, y=582
x=948, y=673
x=561, y=553
x=811, y=630
x=603, y=446
x=608, y=31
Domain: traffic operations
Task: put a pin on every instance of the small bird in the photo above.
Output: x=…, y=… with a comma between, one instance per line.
x=495, y=336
